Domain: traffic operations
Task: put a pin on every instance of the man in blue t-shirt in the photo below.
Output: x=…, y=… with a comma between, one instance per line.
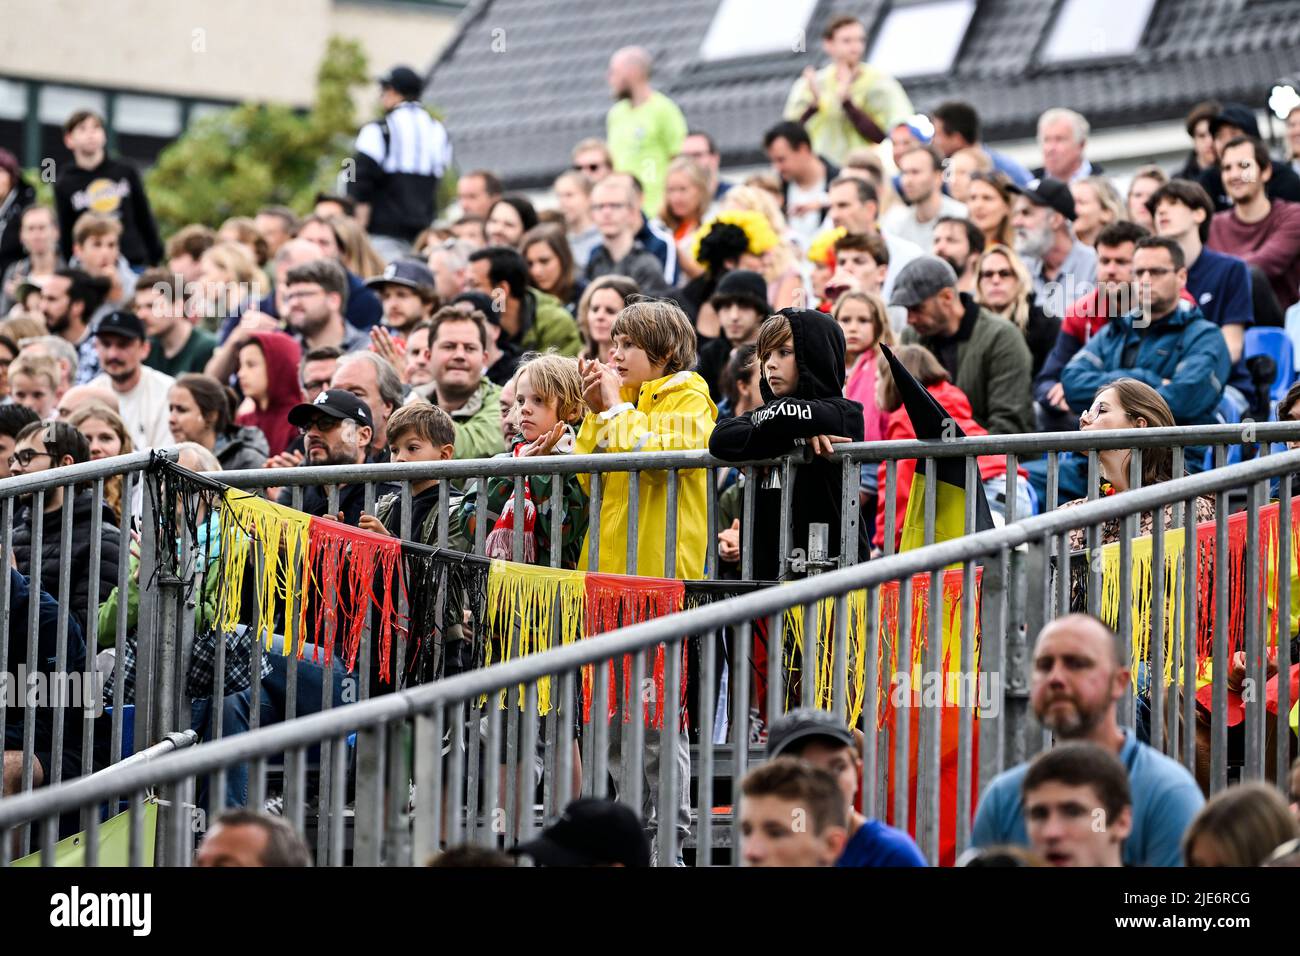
x=1080, y=672
x=1220, y=284
x=817, y=737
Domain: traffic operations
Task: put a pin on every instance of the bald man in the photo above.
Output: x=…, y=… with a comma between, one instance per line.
x=1080, y=672
x=79, y=395
x=644, y=129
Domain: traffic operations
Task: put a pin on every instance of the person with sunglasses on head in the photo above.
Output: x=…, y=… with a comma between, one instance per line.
x=42, y=446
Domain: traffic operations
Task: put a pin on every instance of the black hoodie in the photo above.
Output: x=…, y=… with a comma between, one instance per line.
x=114, y=188
x=817, y=407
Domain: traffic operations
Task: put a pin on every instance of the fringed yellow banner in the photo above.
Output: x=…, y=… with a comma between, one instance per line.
x=283, y=535
x=528, y=607
x=823, y=614
x=1173, y=632
x=1142, y=587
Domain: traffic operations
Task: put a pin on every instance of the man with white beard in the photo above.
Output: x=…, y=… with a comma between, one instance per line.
x=1064, y=269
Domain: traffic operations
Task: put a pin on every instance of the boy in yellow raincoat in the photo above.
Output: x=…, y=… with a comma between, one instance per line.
x=647, y=399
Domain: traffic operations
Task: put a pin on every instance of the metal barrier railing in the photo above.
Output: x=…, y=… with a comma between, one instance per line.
x=406, y=732
x=64, y=696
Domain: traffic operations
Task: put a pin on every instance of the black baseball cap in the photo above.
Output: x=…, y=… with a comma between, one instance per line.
x=591, y=832
x=404, y=80
x=1048, y=192
x=337, y=402
x=1238, y=115
x=803, y=724
x=411, y=273
x=125, y=324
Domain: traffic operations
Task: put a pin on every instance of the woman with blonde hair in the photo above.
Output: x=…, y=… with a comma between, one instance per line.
x=686, y=197
x=230, y=283
x=107, y=436
x=244, y=231
x=1004, y=287
x=988, y=202
x=359, y=256
x=1097, y=203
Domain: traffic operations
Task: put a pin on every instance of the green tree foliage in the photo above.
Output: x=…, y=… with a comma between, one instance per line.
x=234, y=162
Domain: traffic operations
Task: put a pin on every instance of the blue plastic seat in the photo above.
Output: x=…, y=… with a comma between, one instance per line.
x=1277, y=345
x=128, y=729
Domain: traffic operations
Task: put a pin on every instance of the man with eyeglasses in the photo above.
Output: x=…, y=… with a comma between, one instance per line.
x=315, y=297
x=42, y=446
x=1165, y=342
x=614, y=208
x=13, y=419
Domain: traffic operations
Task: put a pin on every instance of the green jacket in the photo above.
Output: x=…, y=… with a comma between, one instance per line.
x=205, y=612
x=573, y=525
x=994, y=369
x=549, y=326
x=478, y=423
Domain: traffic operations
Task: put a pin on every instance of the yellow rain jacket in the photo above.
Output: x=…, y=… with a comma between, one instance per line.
x=673, y=413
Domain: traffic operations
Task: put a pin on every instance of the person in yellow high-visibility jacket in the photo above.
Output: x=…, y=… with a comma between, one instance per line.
x=646, y=399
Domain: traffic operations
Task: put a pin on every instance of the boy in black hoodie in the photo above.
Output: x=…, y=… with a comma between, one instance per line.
x=802, y=356
x=93, y=182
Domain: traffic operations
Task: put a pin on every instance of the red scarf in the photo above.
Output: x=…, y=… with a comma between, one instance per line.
x=500, y=543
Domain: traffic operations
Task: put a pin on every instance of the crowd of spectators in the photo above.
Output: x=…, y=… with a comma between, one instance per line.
x=656, y=306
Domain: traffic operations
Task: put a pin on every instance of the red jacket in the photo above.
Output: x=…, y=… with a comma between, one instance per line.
x=900, y=428
x=282, y=354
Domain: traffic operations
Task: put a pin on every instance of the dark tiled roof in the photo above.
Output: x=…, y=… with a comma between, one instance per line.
x=525, y=79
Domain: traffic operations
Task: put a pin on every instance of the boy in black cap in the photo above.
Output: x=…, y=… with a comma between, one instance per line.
x=591, y=832
x=819, y=738
x=802, y=355
x=740, y=301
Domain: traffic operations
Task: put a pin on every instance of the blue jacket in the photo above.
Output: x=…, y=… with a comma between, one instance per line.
x=1184, y=347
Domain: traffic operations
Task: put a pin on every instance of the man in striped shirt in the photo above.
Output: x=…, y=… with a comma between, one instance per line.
x=398, y=162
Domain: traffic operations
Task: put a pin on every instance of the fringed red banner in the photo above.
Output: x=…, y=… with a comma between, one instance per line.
x=370, y=559
x=908, y=687
x=615, y=601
